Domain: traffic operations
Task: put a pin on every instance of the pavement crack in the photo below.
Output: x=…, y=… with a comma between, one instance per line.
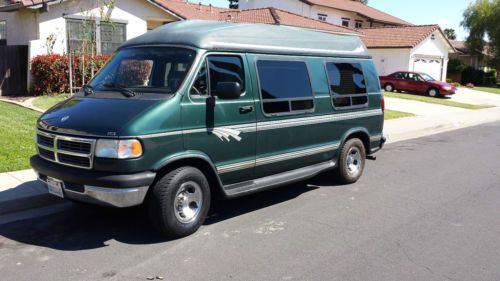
x=427, y=268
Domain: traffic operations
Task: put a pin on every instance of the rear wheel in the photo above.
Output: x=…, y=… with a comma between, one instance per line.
x=351, y=161
x=179, y=202
x=433, y=92
x=389, y=87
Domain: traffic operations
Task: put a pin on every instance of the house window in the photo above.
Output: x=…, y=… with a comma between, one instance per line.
x=359, y=23
x=347, y=84
x=220, y=69
x=322, y=17
x=87, y=36
x=285, y=87
x=345, y=22
x=3, y=30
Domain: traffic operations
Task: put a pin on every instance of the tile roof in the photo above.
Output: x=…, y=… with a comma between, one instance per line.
x=359, y=8
x=186, y=10
x=397, y=37
x=280, y=17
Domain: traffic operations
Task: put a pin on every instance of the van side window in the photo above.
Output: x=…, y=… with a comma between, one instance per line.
x=285, y=86
x=220, y=69
x=347, y=84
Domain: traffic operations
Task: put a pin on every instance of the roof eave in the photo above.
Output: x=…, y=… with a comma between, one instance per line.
x=12, y=7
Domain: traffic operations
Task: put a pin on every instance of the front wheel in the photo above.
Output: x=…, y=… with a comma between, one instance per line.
x=351, y=161
x=433, y=92
x=389, y=88
x=179, y=202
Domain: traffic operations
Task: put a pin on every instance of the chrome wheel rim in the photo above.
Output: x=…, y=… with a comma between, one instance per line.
x=388, y=88
x=188, y=202
x=353, y=161
x=432, y=93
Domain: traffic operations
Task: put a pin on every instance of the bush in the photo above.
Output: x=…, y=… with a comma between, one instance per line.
x=51, y=72
x=456, y=84
x=473, y=76
x=449, y=80
x=456, y=66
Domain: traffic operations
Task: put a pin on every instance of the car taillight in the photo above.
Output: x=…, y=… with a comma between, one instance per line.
x=382, y=103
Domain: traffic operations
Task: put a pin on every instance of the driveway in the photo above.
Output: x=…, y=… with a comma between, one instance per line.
x=470, y=96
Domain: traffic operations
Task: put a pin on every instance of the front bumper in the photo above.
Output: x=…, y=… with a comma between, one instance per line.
x=102, y=188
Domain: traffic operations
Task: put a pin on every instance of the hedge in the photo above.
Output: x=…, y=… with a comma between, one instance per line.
x=50, y=73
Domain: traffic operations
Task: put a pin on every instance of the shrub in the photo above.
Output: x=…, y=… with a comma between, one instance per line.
x=456, y=66
x=473, y=76
x=456, y=84
x=51, y=72
x=449, y=80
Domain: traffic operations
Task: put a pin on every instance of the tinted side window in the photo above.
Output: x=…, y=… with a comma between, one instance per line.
x=217, y=69
x=347, y=84
x=285, y=86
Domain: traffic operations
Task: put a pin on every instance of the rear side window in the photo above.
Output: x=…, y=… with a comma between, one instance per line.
x=285, y=87
x=347, y=84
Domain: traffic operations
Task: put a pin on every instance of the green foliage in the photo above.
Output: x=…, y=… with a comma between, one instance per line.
x=473, y=76
x=450, y=33
x=421, y=98
x=482, y=20
x=393, y=114
x=456, y=66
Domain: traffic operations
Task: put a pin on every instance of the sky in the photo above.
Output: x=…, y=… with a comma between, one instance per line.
x=446, y=13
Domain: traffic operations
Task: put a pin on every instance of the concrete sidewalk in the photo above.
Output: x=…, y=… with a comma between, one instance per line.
x=20, y=190
x=471, y=96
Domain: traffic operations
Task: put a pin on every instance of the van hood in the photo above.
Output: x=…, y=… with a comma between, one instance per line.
x=94, y=116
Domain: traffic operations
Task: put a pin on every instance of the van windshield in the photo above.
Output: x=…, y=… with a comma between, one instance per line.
x=157, y=70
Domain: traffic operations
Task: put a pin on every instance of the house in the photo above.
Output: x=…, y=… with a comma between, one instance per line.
x=469, y=58
x=395, y=44
x=346, y=13
x=419, y=48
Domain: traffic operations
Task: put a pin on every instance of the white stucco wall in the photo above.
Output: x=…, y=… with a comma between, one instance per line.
x=133, y=12
x=429, y=48
x=21, y=26
x=388, y=61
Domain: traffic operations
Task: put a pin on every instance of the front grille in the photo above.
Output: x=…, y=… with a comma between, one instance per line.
x=69, y=151
x=47, y=154
x=79, y=147
x=74, y=160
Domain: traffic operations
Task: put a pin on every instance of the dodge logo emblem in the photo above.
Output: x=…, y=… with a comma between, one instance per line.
x=64, y=118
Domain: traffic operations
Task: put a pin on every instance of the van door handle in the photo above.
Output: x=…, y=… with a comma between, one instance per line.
x=246, y=109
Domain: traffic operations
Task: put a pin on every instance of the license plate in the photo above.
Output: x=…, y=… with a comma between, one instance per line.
x=55, y=187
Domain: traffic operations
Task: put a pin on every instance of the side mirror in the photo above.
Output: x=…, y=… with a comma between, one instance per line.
x=228, y=90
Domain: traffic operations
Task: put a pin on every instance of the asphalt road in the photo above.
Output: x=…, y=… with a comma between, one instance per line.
x=427, y=209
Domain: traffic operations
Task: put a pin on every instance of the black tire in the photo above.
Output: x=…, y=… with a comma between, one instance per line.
x=344, y=172
x=165, y=194
x=389, y=87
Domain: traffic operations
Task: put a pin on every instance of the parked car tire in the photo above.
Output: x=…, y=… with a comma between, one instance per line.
x=433, y=92
x=179, y=202
x=389, y=87
x=351, y=161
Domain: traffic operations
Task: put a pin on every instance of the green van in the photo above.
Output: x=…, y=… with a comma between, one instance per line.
x=198, y=109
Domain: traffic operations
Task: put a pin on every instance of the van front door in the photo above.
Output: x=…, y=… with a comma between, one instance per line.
x=223, y=130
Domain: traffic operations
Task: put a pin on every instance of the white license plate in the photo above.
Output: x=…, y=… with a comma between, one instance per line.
x=55, y=187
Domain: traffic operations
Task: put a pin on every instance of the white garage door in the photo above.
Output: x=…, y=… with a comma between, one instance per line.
x=429, y=66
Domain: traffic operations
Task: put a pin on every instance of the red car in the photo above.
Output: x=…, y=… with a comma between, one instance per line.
x=416, y=82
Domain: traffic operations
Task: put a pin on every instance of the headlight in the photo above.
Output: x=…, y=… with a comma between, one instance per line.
x=118, y=149
x=447, y=88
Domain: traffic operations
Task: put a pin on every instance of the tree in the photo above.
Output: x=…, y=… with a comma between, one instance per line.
x=483, y=23
x=233, y=4
x=450, y=33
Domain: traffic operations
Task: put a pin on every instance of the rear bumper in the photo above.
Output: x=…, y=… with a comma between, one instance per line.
x=102, y=188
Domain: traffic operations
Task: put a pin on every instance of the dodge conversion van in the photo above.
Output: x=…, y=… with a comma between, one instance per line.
x=198, y=109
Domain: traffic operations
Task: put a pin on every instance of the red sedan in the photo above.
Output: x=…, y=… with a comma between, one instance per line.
x=416, y=82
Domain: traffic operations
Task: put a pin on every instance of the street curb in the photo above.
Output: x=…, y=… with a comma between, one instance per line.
x=31, y=202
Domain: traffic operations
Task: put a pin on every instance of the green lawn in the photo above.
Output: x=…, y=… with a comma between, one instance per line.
x=440, y=101
x=393, y=114
x=46, y=102
x=17, y=142
x=493, y=90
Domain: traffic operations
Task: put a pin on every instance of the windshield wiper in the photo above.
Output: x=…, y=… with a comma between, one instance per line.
x=88, y=90
x=123, y=90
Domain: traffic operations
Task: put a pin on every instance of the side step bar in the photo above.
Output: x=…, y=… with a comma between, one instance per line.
x=252, y=186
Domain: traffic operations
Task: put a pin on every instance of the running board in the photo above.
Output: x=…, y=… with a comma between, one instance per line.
x=252, y=186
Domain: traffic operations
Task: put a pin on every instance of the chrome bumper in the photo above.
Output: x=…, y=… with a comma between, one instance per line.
x=113, y=197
